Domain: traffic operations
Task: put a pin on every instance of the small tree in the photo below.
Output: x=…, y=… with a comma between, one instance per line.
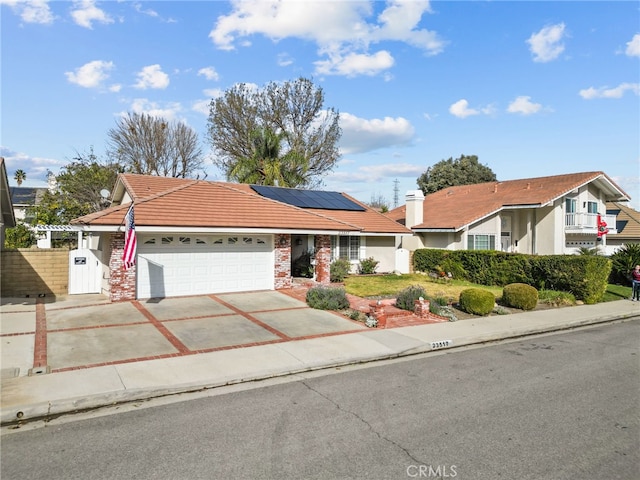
x=20, y=176
x=623, y=261
x=378, y=201
x=20, y=236
x=465, y=170
x=77, y=192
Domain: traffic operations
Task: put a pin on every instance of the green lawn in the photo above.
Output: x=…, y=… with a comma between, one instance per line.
x=390, y=285
x=616, y=292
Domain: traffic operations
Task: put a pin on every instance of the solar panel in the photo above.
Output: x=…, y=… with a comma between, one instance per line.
x=308, y=198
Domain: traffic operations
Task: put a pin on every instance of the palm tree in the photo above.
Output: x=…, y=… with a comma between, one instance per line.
x=20, y=176
x=266, y=165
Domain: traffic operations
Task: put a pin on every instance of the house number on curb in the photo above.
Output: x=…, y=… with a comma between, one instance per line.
x=441, y=344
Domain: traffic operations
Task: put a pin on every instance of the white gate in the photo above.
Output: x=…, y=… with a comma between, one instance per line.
x=402, y=260
x=85, y=274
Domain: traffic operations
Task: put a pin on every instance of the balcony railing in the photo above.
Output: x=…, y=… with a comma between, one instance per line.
x=588, y=222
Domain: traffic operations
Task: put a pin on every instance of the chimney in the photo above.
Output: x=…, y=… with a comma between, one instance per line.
x=495, y=188
x=414, y=214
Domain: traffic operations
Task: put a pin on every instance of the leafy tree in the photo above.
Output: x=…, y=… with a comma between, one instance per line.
x=78, y=190
x=623, y=261
x=20, y=176
x=152, y=146
x=292, y=111
x=267, y=166
x=465, y=170
x=20, y=236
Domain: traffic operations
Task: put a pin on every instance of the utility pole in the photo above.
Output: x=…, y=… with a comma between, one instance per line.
x=396, y=192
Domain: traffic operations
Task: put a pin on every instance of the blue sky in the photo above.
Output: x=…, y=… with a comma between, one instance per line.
x=532, y=88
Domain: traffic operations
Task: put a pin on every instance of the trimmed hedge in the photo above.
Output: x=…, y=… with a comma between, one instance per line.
x=520, y=295
x=585, y=276
x=477, y=301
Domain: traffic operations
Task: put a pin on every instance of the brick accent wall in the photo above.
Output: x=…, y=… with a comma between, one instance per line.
x=282, y=268
x=323, y=259
x=31, y=272
x=122, y=283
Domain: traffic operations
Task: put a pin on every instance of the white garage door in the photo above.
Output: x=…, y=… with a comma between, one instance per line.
x=174, y=265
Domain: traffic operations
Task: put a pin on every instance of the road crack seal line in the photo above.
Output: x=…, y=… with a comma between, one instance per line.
x=369, y=426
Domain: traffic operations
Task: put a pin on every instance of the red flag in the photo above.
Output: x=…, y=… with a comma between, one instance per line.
x=602, y=227
x=129, y=253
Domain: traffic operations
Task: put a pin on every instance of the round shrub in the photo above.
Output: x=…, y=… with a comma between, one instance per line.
x=477, y=301
x=327, y=298
x=406, y=298
x=368, y=266
x=339, y=270
x=520, y=295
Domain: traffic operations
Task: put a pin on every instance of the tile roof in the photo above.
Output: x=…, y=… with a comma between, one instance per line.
x=175, y=202
x=453, y=208
x=627, y=221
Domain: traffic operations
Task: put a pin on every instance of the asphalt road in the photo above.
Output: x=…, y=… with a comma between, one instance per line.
x=562, y=406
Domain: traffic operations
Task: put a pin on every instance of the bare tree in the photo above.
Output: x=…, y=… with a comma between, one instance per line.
x=293, y=111
x=152, y=146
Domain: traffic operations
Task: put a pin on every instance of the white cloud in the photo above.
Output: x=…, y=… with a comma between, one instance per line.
x=524, y=106
x=354, y=64
x=461, y=109
x=605, y=92
x=284, y=60
x=36, y=11
x=85, y=12
x=343, y=31
x=633, y=46
x=152, y=76
x=360, y=135
x=209, y=73
x=546, y=45
x=201, y=106
x=376, y=173
x=138, y=8
x=169, y=112
x=36, y=168
x=90, y=75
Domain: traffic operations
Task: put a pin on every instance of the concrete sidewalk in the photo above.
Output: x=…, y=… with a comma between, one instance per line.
x=30, y=397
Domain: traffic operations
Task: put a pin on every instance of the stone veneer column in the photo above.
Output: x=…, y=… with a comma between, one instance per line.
x=282, y=270
x=323, y=259
x=122, y=282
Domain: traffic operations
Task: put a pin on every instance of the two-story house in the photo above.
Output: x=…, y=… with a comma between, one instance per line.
x=546, y=215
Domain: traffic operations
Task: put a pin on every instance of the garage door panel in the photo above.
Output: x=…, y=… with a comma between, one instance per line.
x=188, y=268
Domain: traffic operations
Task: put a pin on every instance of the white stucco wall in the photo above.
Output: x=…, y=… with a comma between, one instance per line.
x=383, y=250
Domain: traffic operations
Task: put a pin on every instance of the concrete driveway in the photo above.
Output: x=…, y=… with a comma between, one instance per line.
x=81, y=331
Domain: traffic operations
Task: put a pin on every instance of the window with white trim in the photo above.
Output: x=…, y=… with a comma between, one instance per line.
x=592, y=207
x=481, y=242
x=346, y=248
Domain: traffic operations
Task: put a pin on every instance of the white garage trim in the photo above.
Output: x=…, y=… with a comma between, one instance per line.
x=171, y=265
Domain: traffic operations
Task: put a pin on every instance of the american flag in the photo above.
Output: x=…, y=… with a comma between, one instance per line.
x=129, y=254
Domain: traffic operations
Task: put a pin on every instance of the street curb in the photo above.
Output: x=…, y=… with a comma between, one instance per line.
x=54, y=408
